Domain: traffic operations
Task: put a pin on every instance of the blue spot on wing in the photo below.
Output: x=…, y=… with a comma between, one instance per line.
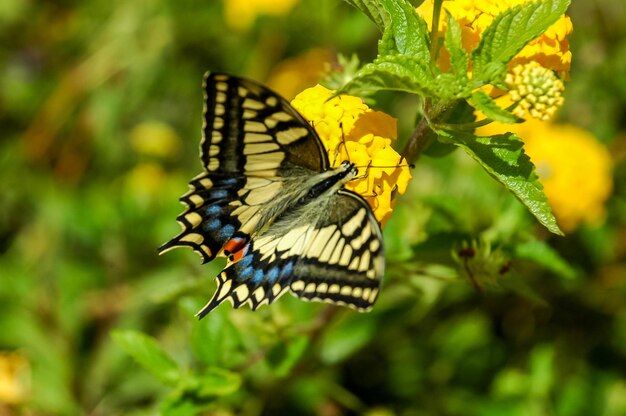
x=272, y=275
x=245, y=261
x=213, y=224
x=227, y=231
x=247, y=272
x=213, y=210
x=287, y=270
x=219, y=194
x=258, y=276
x=230, y=181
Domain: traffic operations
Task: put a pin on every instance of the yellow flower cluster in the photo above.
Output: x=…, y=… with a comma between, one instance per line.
x=536, y=90
x=551, y=49
x=575, y=170
x=241, y=14
x=350, y=130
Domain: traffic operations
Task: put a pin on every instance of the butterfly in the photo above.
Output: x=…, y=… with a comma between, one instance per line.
x=269, y=200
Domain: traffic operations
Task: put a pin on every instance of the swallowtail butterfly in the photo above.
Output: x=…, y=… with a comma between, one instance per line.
x=269, y=200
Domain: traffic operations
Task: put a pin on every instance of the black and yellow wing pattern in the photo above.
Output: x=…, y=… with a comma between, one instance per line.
x=268, y=200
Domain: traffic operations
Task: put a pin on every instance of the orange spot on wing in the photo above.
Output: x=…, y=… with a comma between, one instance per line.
x=235, y=248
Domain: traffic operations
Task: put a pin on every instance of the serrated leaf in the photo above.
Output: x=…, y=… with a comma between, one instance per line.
x=453, y=41
x=397, y=73
x=410, y=32
x=374, y=10
x=541, y=253
x=386, y=44
x=147, y=352
x=481, y=101
x=503, y=157
x=509, y=32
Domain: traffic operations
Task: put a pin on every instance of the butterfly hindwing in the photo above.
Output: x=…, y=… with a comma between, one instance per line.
x=337, y=259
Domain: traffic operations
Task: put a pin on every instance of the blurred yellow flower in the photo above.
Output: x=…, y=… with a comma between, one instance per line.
x=295, y=74
x=154, y=138
x=14, y=377
x=241, y=14
x=350, y=130
x=536, y=90
x=551, y=49
x=145, y=180
x=574, y=168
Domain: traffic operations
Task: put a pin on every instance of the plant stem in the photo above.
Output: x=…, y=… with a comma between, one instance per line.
x=417, y=143
x=421, y=139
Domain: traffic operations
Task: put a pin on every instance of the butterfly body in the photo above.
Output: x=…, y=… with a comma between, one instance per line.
x=269, y=201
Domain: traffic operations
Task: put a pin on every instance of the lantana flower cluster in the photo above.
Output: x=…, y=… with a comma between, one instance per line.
x=350, y=130
x=550, y=50
x=536, y=90
x=535, y=64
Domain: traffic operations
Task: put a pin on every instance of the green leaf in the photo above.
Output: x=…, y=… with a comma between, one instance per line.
x=218, y=382
x=509, y=32
x=397, y=73
x=503, y=157
x=409, y=29
x=541, y=253
x=454, y=44
x=345, y=337
x=386, y=44
x=182, y=406
x=147, y=352
x=374, y=10
x=287, y=355
x=481, y=101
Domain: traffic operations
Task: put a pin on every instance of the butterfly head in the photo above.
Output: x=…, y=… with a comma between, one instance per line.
x=350, y=168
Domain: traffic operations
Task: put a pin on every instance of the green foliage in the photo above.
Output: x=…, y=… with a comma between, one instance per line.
x=503, y=157
x=404, y=64
x=104, y=326
x=394, y=72
x=489, y=108
x=459, y=58
x=147, y=352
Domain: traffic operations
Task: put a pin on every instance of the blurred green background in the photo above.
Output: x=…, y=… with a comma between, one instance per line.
x=100, y=110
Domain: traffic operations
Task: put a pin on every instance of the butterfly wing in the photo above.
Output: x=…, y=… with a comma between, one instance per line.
x=254, y=145
x=329, y=251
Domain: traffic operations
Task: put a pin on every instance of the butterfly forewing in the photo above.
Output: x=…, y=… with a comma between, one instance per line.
x=249, y=129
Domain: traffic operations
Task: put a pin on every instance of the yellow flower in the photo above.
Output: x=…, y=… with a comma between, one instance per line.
x=154, y=138
x=536, y=90
x=14, y=377
x=295, y=74
x=240, y=14
x=551, y=49
x=145, y=180
x=574, y=168
x=350, y=130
